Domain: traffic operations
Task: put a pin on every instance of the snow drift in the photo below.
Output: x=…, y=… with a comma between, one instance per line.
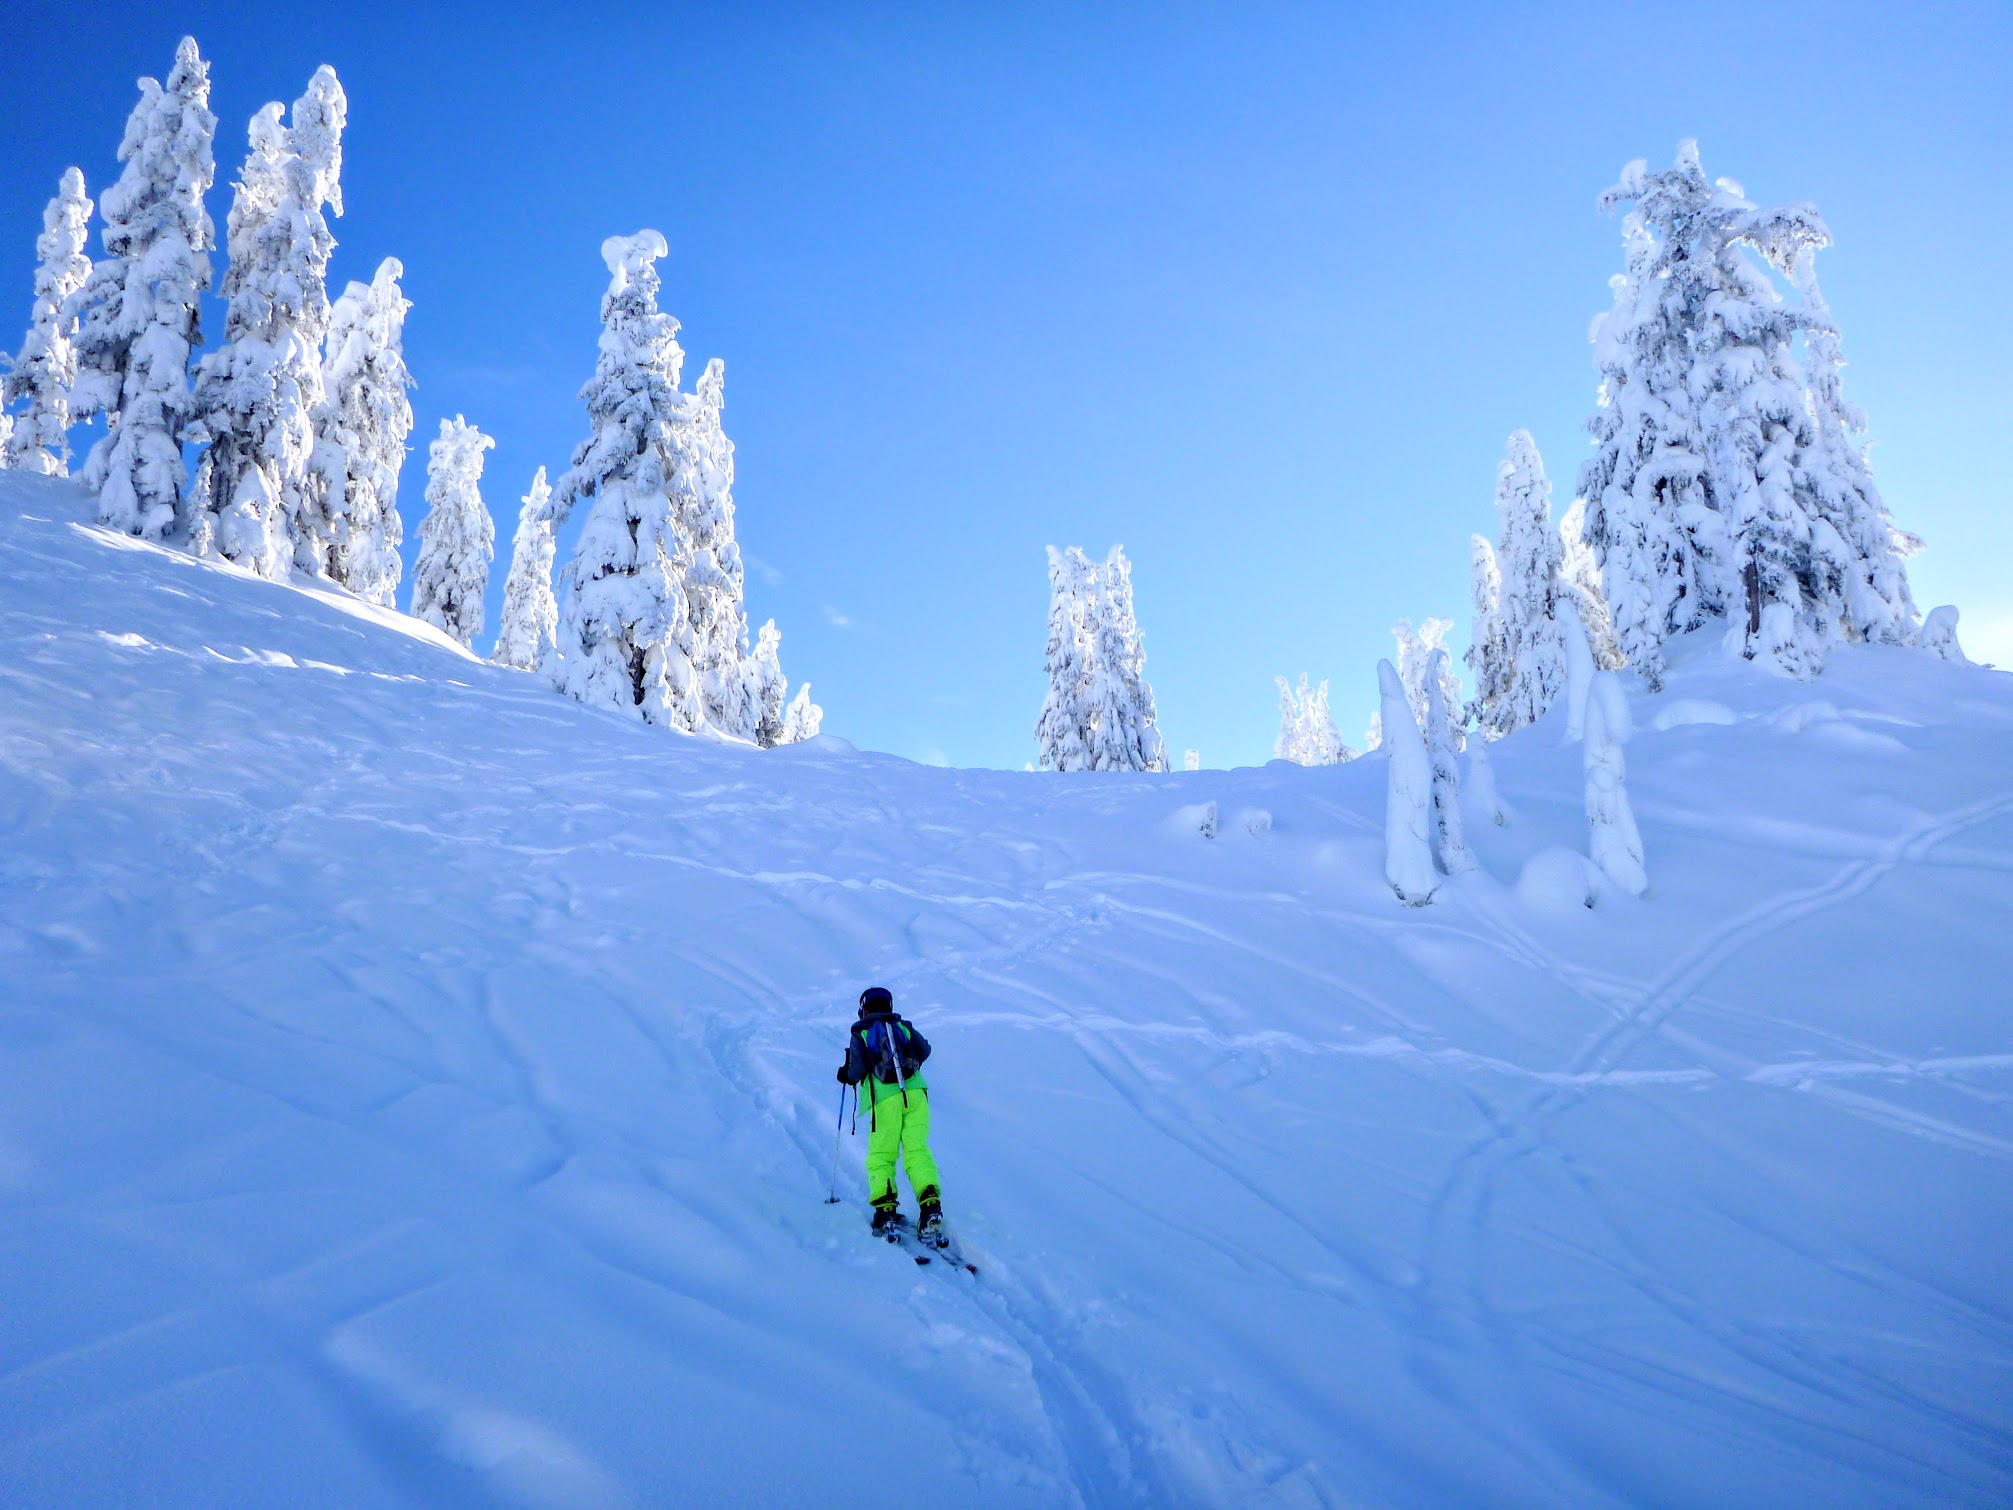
x=416, y=1088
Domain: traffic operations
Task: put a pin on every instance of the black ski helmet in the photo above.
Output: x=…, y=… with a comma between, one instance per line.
x=876, y=999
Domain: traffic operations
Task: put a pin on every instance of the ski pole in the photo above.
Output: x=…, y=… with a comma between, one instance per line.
x=833, y=1198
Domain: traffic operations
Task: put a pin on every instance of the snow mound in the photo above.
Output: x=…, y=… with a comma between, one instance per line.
x=416, y=1088
x=1677, y=713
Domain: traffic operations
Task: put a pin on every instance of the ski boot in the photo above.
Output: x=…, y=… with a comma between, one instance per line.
x=930, y=1218
x=887, y=1219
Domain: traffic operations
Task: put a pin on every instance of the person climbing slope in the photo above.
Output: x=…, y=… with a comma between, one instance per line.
x=884, y=1058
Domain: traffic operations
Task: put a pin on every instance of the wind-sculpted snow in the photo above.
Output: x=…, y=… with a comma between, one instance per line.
x=416, y=1089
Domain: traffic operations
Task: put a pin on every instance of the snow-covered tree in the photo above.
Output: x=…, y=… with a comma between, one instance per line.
x=1692, y=498
x=703, y=492
x=530, y=616
x=625, y=636
x=1408, y=799
x=361, y=430
x=1307, y=733
x=1482, y=782
x=803, y=719
x=1528, y=554
x=1064, y=731
x=1415, y=663
x=457, y=539
x=137, y=315
x=1938, y=636
x=1580, y=576
x=1853, y=535
x=1441, y=752
x=1124, y=735
x=45, y=368
x=1191, y=760
x=1488, y=656
x=258, y=498
x=1579, y=669
x=1615, y=845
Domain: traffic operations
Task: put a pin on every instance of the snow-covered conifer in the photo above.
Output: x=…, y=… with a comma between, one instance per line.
x=1615, y=845
x=258, y=498
x=1415, y=663
x=45, y=368
x=1191, y=760
x=1448, y=841
x=1528, y=554
x=1064, y=731
x=1408, y=799
x=361, y=429
x=703, y=494
x=530, y=616
x=1307, y=733
x=1124, y=736
x=1580, y=575
x=1939, y=635
x=803, y=719
x=457, y=539
x=766, y=688
x=137, y=315
x=1482, y=782
x=1579, y=669
x=1488, y=656
x=625, y=637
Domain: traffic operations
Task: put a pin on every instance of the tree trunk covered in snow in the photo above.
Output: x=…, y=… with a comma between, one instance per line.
x=1408, y=798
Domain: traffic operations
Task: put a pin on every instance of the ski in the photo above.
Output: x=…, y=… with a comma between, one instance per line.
x=941, y=1243
x=902, y=1235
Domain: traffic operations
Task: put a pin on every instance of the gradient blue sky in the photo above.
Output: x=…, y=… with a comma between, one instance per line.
x=1257, y=290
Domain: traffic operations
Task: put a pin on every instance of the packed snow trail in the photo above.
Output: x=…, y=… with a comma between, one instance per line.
x=416, y=1089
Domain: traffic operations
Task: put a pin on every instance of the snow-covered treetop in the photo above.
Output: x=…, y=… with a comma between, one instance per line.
x=168, y=162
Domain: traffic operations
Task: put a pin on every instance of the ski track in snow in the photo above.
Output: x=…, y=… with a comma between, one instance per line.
x=1278, y=1189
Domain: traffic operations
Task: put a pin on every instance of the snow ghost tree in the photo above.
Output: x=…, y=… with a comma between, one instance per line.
x=530, y=616
x=259, y=499
x=1702, y=495
x=1615, y=845
x=457, y=540
x=1408, y=800
x=1482, y=782
x=1063, y=731
x=1448, y=842
x=1580, y=579
x=1191, y=760
x=1939, y=635
x=1307, y=733
x=1124, y=731
x=1488, y=657
x=703, y=490
x=803, y=719
x=45, y=368
x=1416, y=663
x=1579, y=670
x=137, y=315
x=360, y=433
x=625, y=637
x=1528, y=554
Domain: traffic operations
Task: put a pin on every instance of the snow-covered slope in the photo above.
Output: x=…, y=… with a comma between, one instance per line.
x=417, y=1089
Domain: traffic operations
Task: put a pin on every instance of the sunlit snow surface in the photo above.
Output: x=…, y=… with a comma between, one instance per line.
x=417, y=1089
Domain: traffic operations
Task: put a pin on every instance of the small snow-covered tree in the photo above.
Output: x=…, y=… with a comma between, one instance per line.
x=767, y=690
x=803, y=719
x=45, y=368
x=1615, y=845
x=259, y=499
x=457, y=539
x=1579, y=670
x=1191, y=760
x=703, y=493
x=1448, y=841
x=1408, y=798
x=137, y=315
x=1580, y=577
x=530, y=616
x=1529, y=556
x=1938, y=636
x=1415, y=662
x=1488, y=656
x=625, y=636
x=1064, y=730
x=1124, y=736
x=1482, y=782
x=1307, y=733
x=361, y=430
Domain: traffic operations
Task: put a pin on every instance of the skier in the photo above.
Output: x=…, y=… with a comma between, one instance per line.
x=884, y=1057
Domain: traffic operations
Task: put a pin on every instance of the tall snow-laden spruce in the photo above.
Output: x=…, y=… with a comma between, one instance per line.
x=137, y=316
x=530, y=616
x=44, y=370
x=1063, y=731
x=361, y=430
x=1449, y=843
x=1408, y=796
x=457, y=539
x=1693, y=498
x=703, y=491
x=1853, y=535
x=1307, y=733
x=1528, y=556
x=258, y=499
x=1580, y=580
x=1125, y=734
x=625, y=635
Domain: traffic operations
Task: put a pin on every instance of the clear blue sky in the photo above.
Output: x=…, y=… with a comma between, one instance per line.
x=1257, y=290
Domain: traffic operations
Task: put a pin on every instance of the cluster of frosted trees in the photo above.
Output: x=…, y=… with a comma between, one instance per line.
x=1099, y=714
x=300, y=419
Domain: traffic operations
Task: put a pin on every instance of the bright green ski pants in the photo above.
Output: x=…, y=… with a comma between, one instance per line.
x=901, y=1129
